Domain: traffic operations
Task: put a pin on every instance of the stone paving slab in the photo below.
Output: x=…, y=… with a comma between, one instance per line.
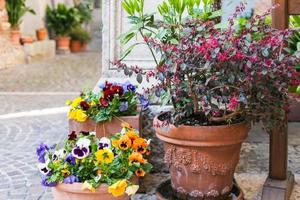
x=64, y=73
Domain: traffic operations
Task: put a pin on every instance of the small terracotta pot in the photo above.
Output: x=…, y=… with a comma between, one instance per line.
x=41, y=34
x=74, y=192
x=26, y=40
x=294, y=114
x=202, y=159
x=63, y=43
x=75, y=46
x=84, y=46
x=105, y=129
x=15, y=36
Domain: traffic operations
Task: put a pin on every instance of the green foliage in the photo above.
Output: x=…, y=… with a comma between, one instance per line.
x=85, y=12
x=16, y=9
x=62, y=19
x=80, y=34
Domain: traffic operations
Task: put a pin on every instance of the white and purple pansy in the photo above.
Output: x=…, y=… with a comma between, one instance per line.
x=82, y=149
x=60, y=154
x=44, y=169
x=104, y=142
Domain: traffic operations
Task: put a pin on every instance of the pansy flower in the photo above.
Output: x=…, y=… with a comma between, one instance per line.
x=72, y=136
x=85, y=133
x=136, y=157
x=123, y=107
x=125, y=142
x=140, y=145
x=118, y=188
x=60, y=154
x=104, y=143
x=84, y=105
x=140, y=172
x=46, y=183
x=43, y=168
x=132, y=135
x=103, y=102
x=105, y=155
x=71, y=160
x=41, y=152
x=144, y=102
x=127, y=86
x=82, y=149
x=71, y=179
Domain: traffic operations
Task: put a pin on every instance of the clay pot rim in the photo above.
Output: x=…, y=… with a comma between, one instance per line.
x=204, y=136
x=76, y=188
x=59, y=37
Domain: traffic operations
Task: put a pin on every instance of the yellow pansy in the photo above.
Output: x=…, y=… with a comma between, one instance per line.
x=81, y=115
x=105, y=155
x=72, y=114
x=68, y=102
x=132, y=189
x=132, y=135
x=65, y=172
x=76, y=102
x=93, y=103
x=118, y=189
x=87, y=186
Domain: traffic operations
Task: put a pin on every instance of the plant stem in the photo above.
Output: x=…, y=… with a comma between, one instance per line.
x=151, y=50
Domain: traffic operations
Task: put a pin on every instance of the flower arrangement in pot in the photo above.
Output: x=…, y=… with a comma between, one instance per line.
x=79, y=39
x=62, y=19
x=104, y=111
x=218, y=81
x=88, y=168
x=16, y=9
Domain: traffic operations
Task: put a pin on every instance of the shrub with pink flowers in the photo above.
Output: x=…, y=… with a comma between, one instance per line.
x=215, y=76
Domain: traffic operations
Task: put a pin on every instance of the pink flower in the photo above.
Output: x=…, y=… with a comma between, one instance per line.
x=222, y=57
x=233, y=103
x=201, y=49
x=239, y=56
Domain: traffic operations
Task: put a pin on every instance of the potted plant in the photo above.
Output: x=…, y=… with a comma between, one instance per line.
x=62, y=19
x=294, y=48
x=16, y=9
x=41, y=34
x=90, y=168
x=79, y=39
x=103, y=112
x=218, y=82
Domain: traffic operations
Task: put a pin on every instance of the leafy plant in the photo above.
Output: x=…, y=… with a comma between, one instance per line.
x=80, y=34
x=85, y=12
x=113, y=100
x=16, y=9
x=62, y=19
x=167, y=30
x=214, y=76
x=86, y=159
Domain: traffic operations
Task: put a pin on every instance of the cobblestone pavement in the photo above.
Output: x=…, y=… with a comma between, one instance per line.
x=64, y=73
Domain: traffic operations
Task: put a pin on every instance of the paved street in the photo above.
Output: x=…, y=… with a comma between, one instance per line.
x=46, y=85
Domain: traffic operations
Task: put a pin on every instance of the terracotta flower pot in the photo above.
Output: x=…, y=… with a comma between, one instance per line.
x=75, y=46
x=74, y=192
x=105, y=128
x=63, y=43
x=15, y=36
x=26, y=40
x=294, y=114
x=202, y=159
x=41, y=34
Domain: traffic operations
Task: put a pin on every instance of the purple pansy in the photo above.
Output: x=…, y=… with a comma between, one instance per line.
x=46, y=183
x=71, y=179
x=104, y=143
x=123, y=107
x=43, y=167
x=41, y=151
x=144, y=102
x=127, y=86
x=80, y=152
x=71, y=159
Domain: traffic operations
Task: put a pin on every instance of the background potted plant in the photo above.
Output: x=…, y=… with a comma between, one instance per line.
x=218, y=81
x=103, y=112
x=41, y=34
x=294, y=48
x=79, y=39
x=16, y=9
x=90, y=168
x=62, y=19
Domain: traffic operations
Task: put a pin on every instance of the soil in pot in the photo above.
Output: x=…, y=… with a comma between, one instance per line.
x=15, y=36
x=75, y=46
x=41, y=34
x=74, y=192
x=63, y=43
x=202, y=159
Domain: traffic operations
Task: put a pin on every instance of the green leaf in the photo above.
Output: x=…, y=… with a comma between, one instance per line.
x=127, y=51
x=139, y=78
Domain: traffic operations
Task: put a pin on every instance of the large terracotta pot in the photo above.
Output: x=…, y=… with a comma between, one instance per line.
x=63, y=43
x=41, y=34
x=105, y=129
x=294, y=115
x=202, y=159
x=74, y=192
x=75, y=46
x=15, y=36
